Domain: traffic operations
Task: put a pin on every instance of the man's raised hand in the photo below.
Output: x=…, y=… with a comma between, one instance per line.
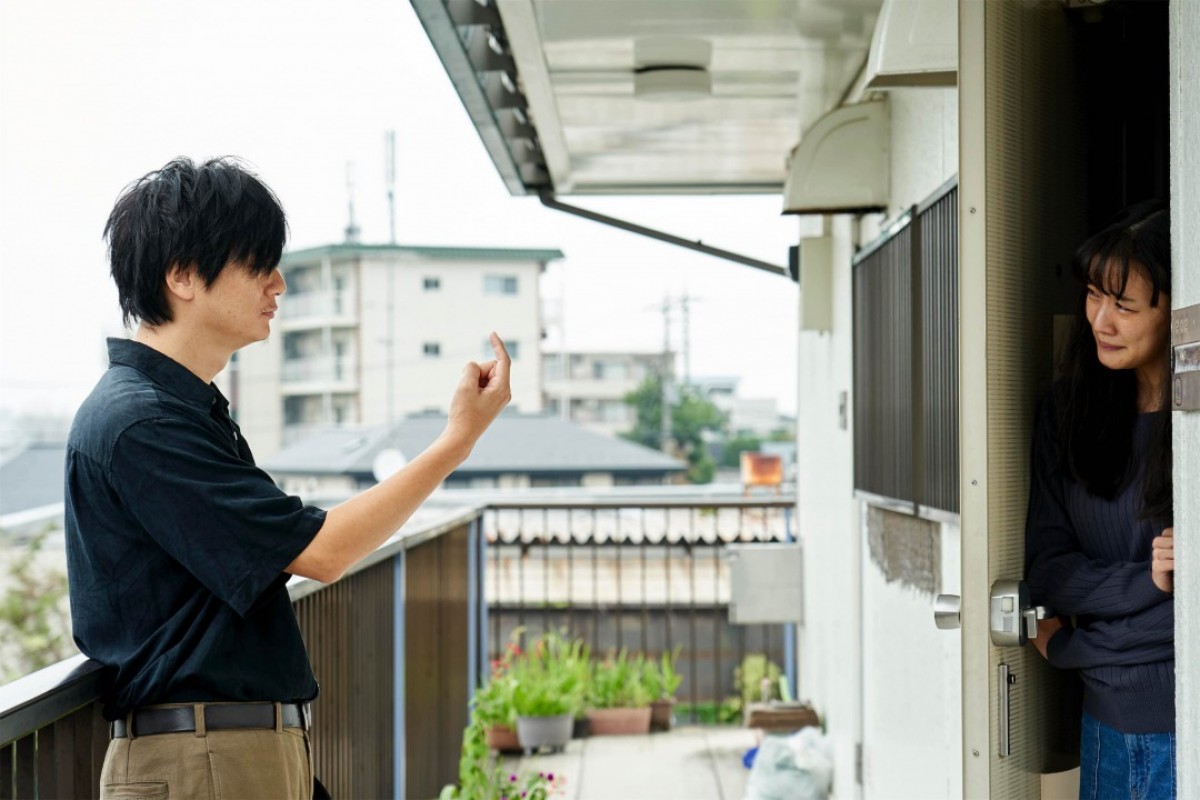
x=480, y=396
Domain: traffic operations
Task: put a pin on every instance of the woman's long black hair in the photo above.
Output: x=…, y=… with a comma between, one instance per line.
x=1099, y=405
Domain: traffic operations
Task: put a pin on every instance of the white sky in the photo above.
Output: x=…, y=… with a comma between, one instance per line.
x=93, y=95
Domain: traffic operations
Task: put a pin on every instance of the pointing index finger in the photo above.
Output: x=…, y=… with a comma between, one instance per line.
x=502, y=358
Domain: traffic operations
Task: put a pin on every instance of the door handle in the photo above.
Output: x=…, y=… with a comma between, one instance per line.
x=1014, y=620
x=947, y=613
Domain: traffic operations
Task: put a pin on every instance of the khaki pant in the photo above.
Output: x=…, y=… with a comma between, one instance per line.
x=210, y=765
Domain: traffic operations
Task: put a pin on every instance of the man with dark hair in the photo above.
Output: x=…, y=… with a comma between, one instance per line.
x=179, y=548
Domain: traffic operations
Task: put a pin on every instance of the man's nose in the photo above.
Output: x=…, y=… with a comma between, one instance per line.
x=278, y=284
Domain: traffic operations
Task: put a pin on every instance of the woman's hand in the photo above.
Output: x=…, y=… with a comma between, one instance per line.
x=1046, y=629
x=1162, y=560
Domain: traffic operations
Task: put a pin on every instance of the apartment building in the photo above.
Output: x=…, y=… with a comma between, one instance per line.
x=589, y=389
x=367, y=334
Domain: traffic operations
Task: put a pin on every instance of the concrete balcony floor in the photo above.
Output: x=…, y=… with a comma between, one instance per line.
x=688, y=763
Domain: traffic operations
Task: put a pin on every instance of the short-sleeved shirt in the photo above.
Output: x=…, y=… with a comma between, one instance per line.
x=177, y=544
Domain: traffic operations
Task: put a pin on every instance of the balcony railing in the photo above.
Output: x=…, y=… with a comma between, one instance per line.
x=316, y=305
x=320, y=369
x=645, y=574
x=398, y=643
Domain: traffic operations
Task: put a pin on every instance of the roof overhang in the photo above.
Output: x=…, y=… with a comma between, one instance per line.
x=647, y=96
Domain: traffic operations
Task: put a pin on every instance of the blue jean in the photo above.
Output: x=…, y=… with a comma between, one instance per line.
x=1125, y=766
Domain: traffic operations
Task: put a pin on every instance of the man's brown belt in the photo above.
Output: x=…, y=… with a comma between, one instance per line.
x=217, y=717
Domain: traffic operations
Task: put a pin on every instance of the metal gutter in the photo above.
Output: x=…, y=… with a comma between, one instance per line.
x=478, y=96
x=550, y=201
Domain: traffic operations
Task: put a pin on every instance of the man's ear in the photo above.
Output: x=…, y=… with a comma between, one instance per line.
x=182, y=281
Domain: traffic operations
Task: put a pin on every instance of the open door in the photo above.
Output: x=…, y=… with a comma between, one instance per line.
x=1063, y=120
x=1021, y=213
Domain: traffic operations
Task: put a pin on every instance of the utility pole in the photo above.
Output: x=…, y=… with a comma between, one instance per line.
x=665, y=419
x=389, y=180
x=352, y=229
x=687, y=338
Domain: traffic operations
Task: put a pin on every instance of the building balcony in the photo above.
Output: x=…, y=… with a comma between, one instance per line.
x=317, y=309
x=398, y=643
x=319, y=375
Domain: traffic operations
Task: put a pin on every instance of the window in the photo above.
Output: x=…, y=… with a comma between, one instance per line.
x=499, y=284
x=432, y=350
x=906, y=360
x=550, y=481
x=432, y=284
x=513, y=348
x=614, y=410
x=610, y=370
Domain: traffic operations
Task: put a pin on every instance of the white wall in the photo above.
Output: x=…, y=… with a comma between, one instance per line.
x=843, y=589
x=912, y=686
x=259, y=407
x=1185, y=291
x=458, y=317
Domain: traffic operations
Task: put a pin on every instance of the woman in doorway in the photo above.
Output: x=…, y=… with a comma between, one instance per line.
x=1099, y=546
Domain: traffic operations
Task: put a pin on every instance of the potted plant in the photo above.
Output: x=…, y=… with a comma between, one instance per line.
x=662, y=681
x=619, y=701
x=481, y=778
x=492, y=707
x=493, y=710
x=549, y=682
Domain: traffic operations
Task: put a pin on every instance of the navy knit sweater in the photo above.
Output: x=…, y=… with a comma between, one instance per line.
x=1089, y=558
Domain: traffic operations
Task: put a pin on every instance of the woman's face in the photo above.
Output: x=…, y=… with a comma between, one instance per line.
x=1130, y=333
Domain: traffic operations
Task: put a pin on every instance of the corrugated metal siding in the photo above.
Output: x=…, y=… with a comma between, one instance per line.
x=348, y=627
x=939, y=346
x=883, y=434
x=906, y=377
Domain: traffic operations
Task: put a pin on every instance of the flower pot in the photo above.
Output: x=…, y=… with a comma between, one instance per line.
x=535, y=732
x=660, y=714
x=619, y=721
x=503, y=738
x=582, y=728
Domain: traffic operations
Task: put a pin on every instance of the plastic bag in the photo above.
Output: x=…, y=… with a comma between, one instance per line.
x=795, y=767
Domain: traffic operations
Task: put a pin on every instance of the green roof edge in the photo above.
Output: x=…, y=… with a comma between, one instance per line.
x=429, y=251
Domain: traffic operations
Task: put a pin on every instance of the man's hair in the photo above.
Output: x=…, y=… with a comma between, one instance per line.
x=189, y=216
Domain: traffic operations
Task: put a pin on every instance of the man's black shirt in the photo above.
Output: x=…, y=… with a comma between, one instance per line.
x=176, y=544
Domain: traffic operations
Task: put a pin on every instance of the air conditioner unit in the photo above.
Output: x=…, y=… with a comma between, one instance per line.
x=841, y=164
x=915, y=44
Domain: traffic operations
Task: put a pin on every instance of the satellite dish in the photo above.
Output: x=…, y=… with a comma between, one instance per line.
x=387, y=464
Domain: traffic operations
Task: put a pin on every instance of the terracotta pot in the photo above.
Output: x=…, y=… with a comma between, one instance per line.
x=660, y=714
x=553, y=732
x=619, y=721
x=503, y=738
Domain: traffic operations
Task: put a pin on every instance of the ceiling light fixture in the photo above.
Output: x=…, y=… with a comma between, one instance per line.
x=672, y=69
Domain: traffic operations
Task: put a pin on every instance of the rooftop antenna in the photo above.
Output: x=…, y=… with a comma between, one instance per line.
x=352, y=229
x=389, y=180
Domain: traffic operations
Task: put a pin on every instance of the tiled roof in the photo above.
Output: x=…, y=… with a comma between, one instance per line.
x=32, y=477
x=515, y=443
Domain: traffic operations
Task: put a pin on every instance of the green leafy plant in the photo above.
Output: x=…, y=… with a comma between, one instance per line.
x=480, y=778
x=550, y=678
x=660, y=677
x=618, y=682
x=493, y=702
x=726, y=712
x=748, y=678
x=34, y=621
